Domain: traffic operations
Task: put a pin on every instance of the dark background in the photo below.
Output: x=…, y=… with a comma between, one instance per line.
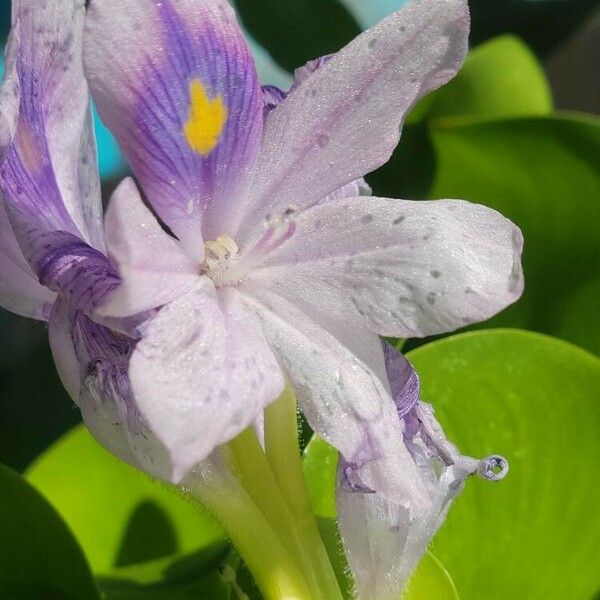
x=35, y=410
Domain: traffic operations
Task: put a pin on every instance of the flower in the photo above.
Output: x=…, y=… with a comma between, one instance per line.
x=384, y=540
x=262, y=258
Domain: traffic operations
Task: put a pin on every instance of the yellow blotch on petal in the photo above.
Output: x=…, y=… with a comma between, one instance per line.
x=206, y=120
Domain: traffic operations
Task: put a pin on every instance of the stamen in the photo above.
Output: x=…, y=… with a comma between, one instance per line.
x=493, y=468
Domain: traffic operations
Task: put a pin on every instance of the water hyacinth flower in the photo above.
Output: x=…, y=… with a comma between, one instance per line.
x=260, y=256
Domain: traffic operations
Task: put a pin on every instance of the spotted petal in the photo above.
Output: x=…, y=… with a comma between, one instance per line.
x=343, y=398
x=176, y=83
x=345, y=119
x=400, y=268
x=202, y=374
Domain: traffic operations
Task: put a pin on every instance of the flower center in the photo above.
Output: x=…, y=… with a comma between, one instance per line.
x=226, y=264
x=220, y=255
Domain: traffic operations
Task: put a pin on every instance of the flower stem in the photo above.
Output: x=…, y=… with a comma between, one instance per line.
x=274, y=569
x=257, y=478
x=283, y=454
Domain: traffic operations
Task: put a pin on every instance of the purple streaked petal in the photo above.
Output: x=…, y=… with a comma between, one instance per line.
x=400, y=268
x=162, y=74
x=382, y=541
x=93, y=364
x=50, y=173
x=344, y=120
x=404, y=381
x=152, y=265
x=20, y=291
x=202, y=373
x=66, y=264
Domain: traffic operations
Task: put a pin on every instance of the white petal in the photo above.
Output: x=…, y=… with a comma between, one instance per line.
x=344, y=401
x=152, y=264
x=345, y=120
x=202, y=374
x=404, y=269
x=20, y=291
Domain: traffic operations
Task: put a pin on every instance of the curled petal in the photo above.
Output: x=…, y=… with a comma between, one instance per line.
x=345, y=119
x=176, y=84
x=152, y=265
x=93, y=363
x=401, y=268
x=65, y=264
x=202, y=374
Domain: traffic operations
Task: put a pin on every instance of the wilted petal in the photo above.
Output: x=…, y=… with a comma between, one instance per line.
x=50, y=173
x=343, y=398
x=20, y=291
x=176, y=84
x=93, y=362
x=382, y=539
x=202, y=373
x=152, y=265
x=345, y=119
x=401, y=268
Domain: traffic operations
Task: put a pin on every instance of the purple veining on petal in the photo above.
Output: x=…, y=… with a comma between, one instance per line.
x=66, y=264
x=181, y=183
x=404, y=381
x=27, y=177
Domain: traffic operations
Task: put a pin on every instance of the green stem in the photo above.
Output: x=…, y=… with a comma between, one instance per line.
x=257, y=478
x=273, y=568
x=283, y=454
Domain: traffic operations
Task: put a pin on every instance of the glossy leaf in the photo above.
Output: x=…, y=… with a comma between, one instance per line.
x=544, y=174
x=431, y=580
x=534, y=399
x=500, y=78
x=296, y=31
x=39, y=557
x=119, y=515
x=203, y=574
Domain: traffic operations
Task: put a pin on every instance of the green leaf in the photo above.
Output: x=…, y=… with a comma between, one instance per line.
x=119, y=515
x=533, y=399
x=431, y=581
x=296, y=31
x=203, y=574
x=544, y=174
x=39, y=557
x=501, y=78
